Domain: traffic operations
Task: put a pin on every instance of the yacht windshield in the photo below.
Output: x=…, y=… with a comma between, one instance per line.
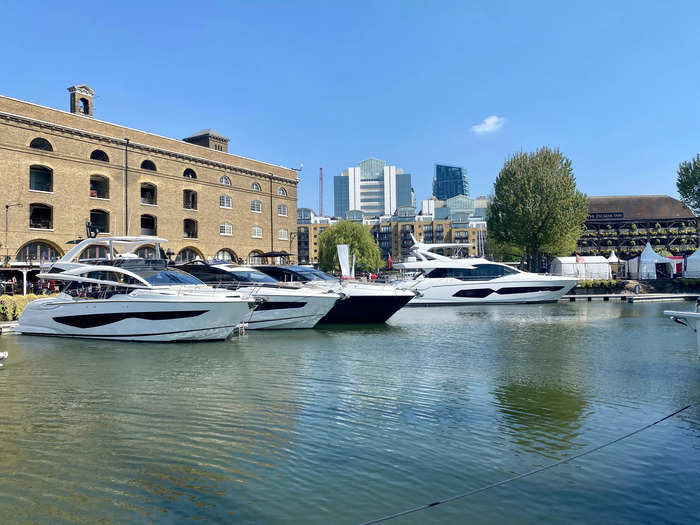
x=314, y=275
x=480, y=272
x=168, y=277
x=252, y=276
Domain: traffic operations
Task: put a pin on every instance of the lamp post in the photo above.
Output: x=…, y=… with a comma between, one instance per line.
x=7, y=209
x=292, y=236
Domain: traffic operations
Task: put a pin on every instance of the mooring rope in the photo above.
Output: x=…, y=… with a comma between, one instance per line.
x=526, y=474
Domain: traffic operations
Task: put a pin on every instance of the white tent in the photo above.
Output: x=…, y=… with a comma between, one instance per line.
x=592, y=267
x=692, y=265
x=644, y=265
x=613, y=258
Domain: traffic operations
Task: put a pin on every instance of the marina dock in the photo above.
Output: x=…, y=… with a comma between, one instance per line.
x=630, y=298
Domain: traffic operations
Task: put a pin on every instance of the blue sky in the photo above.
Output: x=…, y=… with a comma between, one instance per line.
x=616, y=86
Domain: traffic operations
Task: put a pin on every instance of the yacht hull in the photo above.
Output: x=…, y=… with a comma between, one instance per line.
x=130, y=319
x=361, y=309
x=448, y=291
x=284, y=310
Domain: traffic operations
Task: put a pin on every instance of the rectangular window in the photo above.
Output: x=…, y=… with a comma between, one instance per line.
x=256, y=232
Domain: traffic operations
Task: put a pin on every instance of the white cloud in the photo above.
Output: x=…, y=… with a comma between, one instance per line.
x=489, y=125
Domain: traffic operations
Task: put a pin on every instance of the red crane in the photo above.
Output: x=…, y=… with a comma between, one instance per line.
x=320, y=192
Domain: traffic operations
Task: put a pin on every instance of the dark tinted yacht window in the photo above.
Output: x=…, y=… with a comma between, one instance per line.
x=480, y=272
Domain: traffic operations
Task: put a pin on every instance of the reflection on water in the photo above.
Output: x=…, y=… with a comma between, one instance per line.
x=345, y=424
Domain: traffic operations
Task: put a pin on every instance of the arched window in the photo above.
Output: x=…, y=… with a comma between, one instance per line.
x=100, y=220
x=41, y=143
x=256, y=232
x=148, y=225
x=147, y=252
x=282, y=192
x=37, y=251
x=99, y=187
x=254, y=257
x=40, y=179
x=255, y=187
x=226, y=228
x=283, y=235
x=189, y=229
x=256, y=206
x=186, y=255
x=84, y=106
x=189, y=174
x=282, y=210
x=189, y=199
x=149, y=194
x=225, y=255
x=100, y=155
x=224, y=180
x=224, y=201
x=40, y=216
x=93, y=252
x=148, y=165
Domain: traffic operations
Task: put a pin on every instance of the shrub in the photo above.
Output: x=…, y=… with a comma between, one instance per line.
x=11, y=306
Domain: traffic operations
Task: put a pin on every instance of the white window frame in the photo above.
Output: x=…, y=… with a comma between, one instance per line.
x=226, y=229
x=256, y=232
x=282, y=192
x=224, y=199
x=280, y=209
x=256, y=206
x=224, y=180
x=282, y=234
x=255, y=187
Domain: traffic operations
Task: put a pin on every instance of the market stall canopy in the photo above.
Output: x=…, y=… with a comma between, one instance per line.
x=586, y=267
x=692, y=265
x=644, y=265
x=613, y=258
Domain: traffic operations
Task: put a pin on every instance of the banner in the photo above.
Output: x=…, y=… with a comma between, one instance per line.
x=344, y=259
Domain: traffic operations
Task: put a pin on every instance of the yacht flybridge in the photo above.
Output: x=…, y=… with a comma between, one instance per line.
x=281, y=305
x=442, y=280
x=121, y=296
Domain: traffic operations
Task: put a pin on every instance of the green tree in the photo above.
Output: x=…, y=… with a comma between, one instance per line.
x=359, y=240
x=688, y=183
x=536, y=205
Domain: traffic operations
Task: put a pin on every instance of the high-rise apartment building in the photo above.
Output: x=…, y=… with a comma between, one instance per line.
x=373, y=188
x=450, y=181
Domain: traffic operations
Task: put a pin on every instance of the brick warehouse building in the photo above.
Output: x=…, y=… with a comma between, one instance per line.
x=626, y=224
x=59, y=170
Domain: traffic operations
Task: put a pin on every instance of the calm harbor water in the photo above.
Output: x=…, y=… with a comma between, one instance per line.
x=344, y=425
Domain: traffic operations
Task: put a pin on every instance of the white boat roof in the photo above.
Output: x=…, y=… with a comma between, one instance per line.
x=77, y=275
x=127, y=244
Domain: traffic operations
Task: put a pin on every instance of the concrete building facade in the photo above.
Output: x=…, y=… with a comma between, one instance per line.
x=371, y=187
x=60, y=170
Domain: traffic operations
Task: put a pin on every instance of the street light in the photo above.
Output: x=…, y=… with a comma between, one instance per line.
x=7, y=208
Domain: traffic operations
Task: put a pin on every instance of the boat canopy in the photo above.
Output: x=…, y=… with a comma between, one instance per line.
x=125, y=244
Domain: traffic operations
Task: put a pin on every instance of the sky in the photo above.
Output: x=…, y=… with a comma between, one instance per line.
x=614, y=85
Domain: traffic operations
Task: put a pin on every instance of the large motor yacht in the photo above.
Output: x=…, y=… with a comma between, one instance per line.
x=281, y=306
x=153, y=303
x=363, y=302
x=442, y=280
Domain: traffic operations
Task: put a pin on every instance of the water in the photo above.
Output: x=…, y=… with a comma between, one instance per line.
x=343, y=425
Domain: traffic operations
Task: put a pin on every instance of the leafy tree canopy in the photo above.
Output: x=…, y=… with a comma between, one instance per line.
x=688, y=183
x=536, y=205
x=359, y=240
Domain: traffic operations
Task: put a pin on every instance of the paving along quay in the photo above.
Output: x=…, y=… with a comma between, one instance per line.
x=240, y=284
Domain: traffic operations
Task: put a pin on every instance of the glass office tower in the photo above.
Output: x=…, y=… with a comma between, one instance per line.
x=450, y=181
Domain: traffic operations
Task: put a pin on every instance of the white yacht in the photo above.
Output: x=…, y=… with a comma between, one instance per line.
x=280, y=305
x=152, y=304
x=362, y=303
x=442, y=280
